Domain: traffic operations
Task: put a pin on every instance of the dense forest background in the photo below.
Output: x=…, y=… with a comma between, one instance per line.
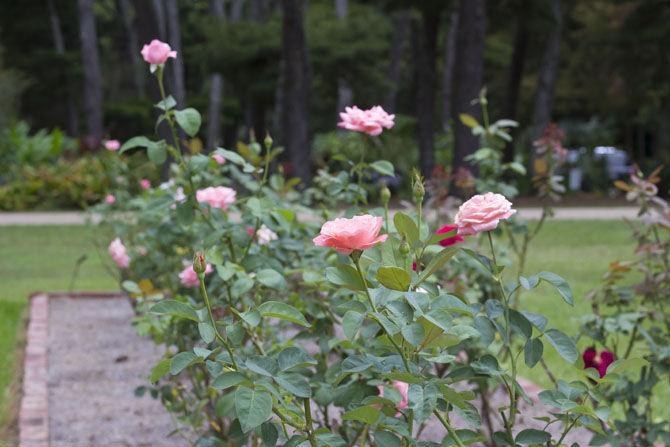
x=600, y=68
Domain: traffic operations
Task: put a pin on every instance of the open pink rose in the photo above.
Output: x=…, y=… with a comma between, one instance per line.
x=371, y=121
x=402, y=388
x=117, y=251
x=347, y=235
x=145, y=184
x=112, y=145
x=219, y=159
x=110, y=199
x=189, y=277
x=482, y=213
x=216, y=197
x=450, y=240
x=157, y=52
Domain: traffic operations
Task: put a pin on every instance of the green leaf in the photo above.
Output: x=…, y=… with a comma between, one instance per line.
x=413, y=333
x=228, y=379
x=158, y=371
x=294, y=383
x=394, y=278
x=520, y=323
x=253, y=407
x=563, y=344
x=562, y=287
x=206, y=332
x=157, y=153
x=386, y=439
x=346, y=276
x=132, y=287
x=468, y=120
x=182, y=360
x=135, y=142
x=271, y=278
x=351, y=323
x=366, y=414
x=383, y=167
x=231, y=156
x=436, y=262
x=294, y=357
x=532, y=436
x=269, y=434
x=406, y=227
x=166, y=104
x=276, y=309
x=174, y=308
x=189, y=120
x=265, y=366
x=532, y=351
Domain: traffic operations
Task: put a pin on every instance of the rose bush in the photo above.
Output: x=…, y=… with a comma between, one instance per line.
x=276, y=333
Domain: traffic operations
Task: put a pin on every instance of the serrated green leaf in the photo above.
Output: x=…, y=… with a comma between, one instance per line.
x=366, y=414
x=188, y=119
x=563, y=344
x=253, y=407
x=276, y=309
x=394, y=278
x=174, y=308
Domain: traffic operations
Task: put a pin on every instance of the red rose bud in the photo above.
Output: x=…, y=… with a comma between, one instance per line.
x=199, y=264
x=452, y=239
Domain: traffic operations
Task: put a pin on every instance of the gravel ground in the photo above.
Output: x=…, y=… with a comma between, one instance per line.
x=96, y=360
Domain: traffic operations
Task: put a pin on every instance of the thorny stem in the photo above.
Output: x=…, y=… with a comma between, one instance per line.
x=567, y=430
x=449, y=428
x=205, y=296
x=308, y=423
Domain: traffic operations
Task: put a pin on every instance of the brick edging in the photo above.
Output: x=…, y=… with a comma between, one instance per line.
x=34, y=409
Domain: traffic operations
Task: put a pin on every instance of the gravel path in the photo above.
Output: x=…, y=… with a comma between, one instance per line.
x=96, y=360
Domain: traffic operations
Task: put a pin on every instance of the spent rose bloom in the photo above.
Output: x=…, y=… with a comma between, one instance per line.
x=216, y=197
x=371, y=121
x=347, y=235
x=598, y=361
x=110, y=199
x=402, y=388
x=265, y=235
x=112, y=145
x=482, y=213
x=145, y=183
x=189, y=277
x=157, y=52
x=219, y=159
x=450, y=240
x=117, y=251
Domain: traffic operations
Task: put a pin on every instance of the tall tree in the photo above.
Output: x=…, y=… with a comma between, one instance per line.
x=544, y=96
x=468, y=74
x=296, y=88
x=174, y=38
x=448, y=71
x=345, y=95
x=426, y=30
x=127, y=13
x=401, y=28
x=215, y=90
x=92, y=73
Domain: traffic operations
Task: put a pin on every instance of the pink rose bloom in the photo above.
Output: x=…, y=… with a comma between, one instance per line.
x=347, y=235
x=482, y=213
x=402, y=388
x=110, y=199
x=145, y=184
x=189, y=277
x=220, y=159
x=450, y=240
x=371, y=121
x=216, y=197
x=112, y=145
x=117, y=251
x=157, y=52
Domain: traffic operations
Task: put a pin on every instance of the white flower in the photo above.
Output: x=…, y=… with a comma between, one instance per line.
x=265, y=235
x=179, y=196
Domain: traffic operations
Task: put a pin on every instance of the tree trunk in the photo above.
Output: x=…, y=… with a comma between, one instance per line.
x=345, y=94
x=215, y=91
x=92, y=73
x=174, y=38
x=236, y=10
x=425, y=43
x=468, y=74
x=398, y=45
x=448, y=71
x=59, y=46
x=516, y=72
x=127, y=13
x=161, y=20
x=544, y=98
x=296, y=89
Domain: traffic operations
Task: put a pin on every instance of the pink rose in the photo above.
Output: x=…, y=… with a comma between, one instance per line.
x=347, y=235
x=220, y=159
x=157, y=52
x=482, y=213
x=145, y=184
x=110, y=199
x=402, y=388
x=216, y=197
x=112, y=145
x=117, y=251
x=371, y=121
x=188, y=276
x=450, y=240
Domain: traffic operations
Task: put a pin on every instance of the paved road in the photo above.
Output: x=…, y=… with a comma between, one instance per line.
x=563, y=213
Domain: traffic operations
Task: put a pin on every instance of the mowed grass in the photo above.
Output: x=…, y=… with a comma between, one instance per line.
x=39, y=258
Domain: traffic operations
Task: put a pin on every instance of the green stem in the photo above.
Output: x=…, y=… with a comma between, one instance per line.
x=205, y=296
x=308, y=422
x=449, y=428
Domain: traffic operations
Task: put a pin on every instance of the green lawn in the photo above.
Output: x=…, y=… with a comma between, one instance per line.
x=40, y=258
x=43, y=258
